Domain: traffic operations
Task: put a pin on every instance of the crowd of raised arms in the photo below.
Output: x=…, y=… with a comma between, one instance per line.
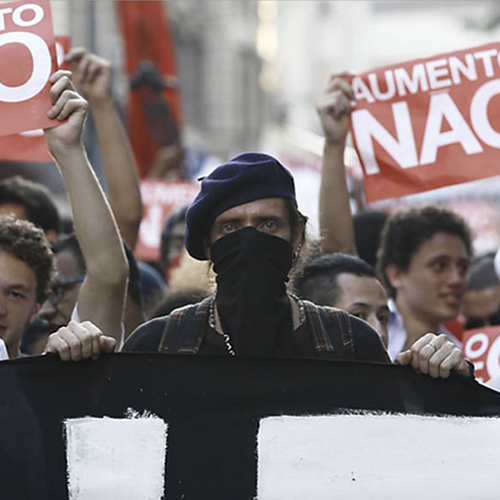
x=381, y=288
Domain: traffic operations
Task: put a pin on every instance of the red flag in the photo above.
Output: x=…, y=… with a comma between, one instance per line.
x=155, y=106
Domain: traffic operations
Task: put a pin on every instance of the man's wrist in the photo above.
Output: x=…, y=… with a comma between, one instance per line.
x=100, y=103
x=337, y=139
x=334, y=146
x=62, y=150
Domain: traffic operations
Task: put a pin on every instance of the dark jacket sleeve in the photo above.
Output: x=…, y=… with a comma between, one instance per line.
x=367, y=344
x=146, y=337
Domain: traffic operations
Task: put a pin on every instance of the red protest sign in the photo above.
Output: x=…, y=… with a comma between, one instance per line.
x=160, y=199
x=30, y=146
x=481, y=346
x=27, y=52
x=27, y=146
x=428, y=123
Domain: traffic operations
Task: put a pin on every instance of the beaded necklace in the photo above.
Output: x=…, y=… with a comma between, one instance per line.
x=227, y=338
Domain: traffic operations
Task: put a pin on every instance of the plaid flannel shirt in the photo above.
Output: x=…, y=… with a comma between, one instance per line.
x=185, y=328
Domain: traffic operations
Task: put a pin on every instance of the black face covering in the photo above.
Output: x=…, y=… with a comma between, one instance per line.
x=252, y=270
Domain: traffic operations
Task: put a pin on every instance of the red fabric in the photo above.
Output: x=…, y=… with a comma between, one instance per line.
x=147, y=38
x=456, y=327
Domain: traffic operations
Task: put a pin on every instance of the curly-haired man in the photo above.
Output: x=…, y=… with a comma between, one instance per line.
x=423, y=260
x=26, y=273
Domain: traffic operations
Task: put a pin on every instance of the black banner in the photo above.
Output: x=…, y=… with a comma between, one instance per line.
x=212, y=406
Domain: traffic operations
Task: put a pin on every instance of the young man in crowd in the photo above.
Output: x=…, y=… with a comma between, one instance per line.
x=424, y=258
x=349, y=283
x=101, y=295
x=31, y=201
x=425, y=252
x=27, y=272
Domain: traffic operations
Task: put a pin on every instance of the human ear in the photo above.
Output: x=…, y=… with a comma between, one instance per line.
x=34, y=311
x=393, y=274
x=298, y=236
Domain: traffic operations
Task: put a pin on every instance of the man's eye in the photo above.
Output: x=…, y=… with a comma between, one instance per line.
x=270, y=225
x=383, y=318
x=359, y=315
x=439, y=266
x=228, y=228
x=16, y=295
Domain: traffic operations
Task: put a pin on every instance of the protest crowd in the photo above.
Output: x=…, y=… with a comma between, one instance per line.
x=87, y=297
x=272, y=289
x=238, y=273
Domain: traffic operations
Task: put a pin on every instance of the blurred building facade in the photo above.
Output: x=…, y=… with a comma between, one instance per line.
x=217, y=62
x=251, y=70
x=247, y=63
x=322, y=37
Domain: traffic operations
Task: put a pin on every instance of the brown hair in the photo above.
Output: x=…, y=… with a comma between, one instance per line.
x=26, y=242
x=407, y=230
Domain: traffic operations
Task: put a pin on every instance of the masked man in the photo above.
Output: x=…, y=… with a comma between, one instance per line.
x=245, y=221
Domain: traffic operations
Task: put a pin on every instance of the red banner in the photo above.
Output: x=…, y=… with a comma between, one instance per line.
x=428, y=123
x=27, y=52
x=30, y=146
x=159, y=200
x=155, y=105
x=481, y=346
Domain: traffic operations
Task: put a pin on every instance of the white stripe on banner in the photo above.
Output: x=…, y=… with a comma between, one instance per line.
x=392, y=457
x=116, y=458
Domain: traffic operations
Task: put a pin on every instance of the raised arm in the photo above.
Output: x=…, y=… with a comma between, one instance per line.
x=92, y=77
x=101, y=297
x=335, y=218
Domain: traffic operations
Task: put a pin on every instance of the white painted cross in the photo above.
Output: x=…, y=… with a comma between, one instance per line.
x=111, y=458
x=390, y=457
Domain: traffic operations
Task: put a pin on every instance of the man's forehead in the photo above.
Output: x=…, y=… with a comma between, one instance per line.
x=15, y=272
x=442, y=245
x=265, y=207
x=361, y=288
